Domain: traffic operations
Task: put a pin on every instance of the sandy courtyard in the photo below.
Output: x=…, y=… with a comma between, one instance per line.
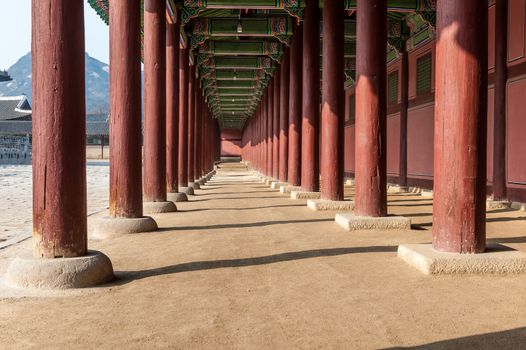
x=16, y=194
x=242, y=267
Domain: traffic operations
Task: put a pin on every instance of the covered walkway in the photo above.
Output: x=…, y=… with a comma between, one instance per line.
x=241, y=266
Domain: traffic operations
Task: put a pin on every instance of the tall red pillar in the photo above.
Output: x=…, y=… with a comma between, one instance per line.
x=404, y=112
x=154, y=101
x=125, y=110
x=192, y=93
x=275, y=123
x=499, y=118
x=459, y=204
x=284, y=118
x=270, y=127
x=172, y=106
x=198, y=135
x=333, y=103
x=295, y=105
x=59, y=129
x=183, y=117
x=310, y=167
x=371, y=109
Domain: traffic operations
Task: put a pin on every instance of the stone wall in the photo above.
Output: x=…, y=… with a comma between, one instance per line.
x=15, y=150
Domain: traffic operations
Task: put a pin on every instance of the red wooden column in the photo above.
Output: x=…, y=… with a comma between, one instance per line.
x=270, y=128
x=459, y=204
x=154, y=101
x=284, y=118
x=499, y=119
x=172, y=106
x=371, y=192
x=404, y=111
x=125, y=110
x=333, y=103
x=295, y=103
x=183, y=117
x=310, y=167
x=264, y=140
x=192, y=93
x=198, y=136
x=275, y=123
x=204, y=151
x=59, y=129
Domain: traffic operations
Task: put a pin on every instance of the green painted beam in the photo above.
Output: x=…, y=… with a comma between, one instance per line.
x=228, y=74
x=236, y=62
x=242, y=48
x=235, y=92
x=280, y=28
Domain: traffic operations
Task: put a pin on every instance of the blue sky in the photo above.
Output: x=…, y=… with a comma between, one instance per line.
x=15, y=32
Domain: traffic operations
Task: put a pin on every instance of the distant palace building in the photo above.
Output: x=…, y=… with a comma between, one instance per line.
x=4, y=76
x=16, y=130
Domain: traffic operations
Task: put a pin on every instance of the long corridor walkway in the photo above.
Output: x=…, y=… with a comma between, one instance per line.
x=241, y=266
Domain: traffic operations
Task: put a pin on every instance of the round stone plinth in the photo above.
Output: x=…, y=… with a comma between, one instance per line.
x=110, y=227
x=159, y=207
x=188, y=190
x=177, y=197
x=61, y=273
x=194, y=185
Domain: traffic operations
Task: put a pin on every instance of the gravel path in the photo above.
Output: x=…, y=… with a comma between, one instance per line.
x=16, y=193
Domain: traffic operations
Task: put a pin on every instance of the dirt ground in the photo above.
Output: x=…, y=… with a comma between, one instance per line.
x=241, y=266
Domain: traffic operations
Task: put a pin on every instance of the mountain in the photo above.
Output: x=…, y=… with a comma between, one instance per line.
x=97, y=83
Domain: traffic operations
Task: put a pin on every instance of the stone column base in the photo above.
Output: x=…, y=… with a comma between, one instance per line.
x=324, y=204
x=497, y=259
x=201, y=181
x=269, y=181
x=194, y=185
x=352, y=222
x=159, y=207
x=518, y=206
x=349, y=182
x=61, y=273
x=396, y=189
x=305, y=195
x=177, y=197
x=426, y=193
x=289, y=189
x=110, y=227
x=491, y=204
x=187, y=190
x=275, y=185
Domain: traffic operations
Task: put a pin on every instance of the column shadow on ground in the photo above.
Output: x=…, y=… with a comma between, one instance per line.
x=241, y=225
x=128, y=276
x=226, y=198
x=509, y=339
x=246, y=208
x=239, y=192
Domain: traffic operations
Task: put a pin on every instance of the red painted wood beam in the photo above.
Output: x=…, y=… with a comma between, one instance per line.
x=371, y=109
x=125, y=110
x=270, y=128
x=183, y=116
x=59, y=129
x=333, y=101
x=284, y=118
x=295, y=105
x=499, y=119
x=459, y=204
x=192, y=97
x=275, y=123
x=154, y=101
x=172, y=106
x=310, y=173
